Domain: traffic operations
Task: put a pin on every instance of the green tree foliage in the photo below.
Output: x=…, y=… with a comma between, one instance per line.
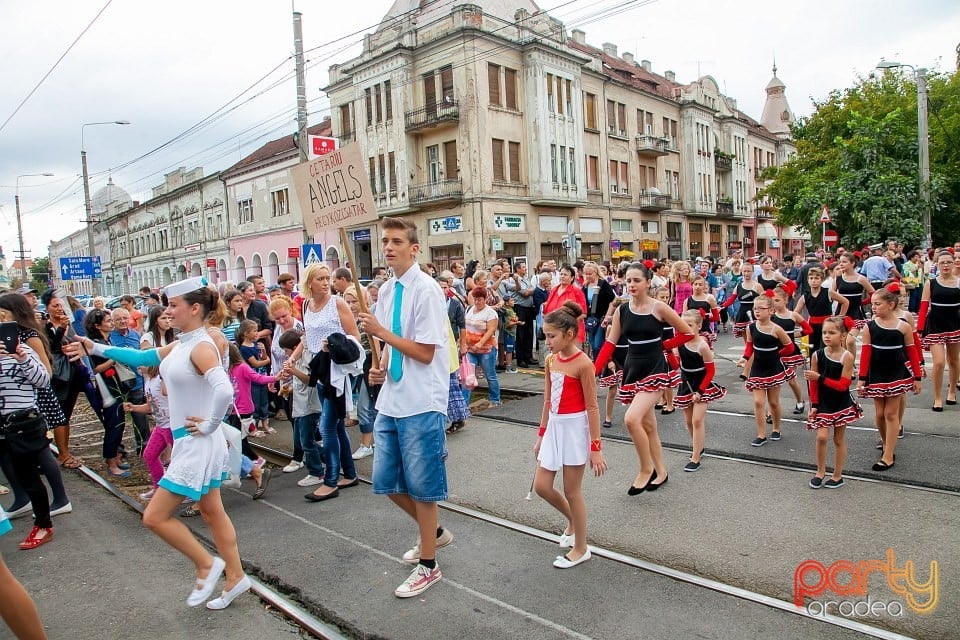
x=40, y=273
x=857, y=153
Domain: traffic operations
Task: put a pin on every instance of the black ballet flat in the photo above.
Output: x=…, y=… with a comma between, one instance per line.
x=658, y=406
x=653, y=487
x=883, y=466
x=950, y=402
x=634, y=491
x=937, y=409
x=666, y=412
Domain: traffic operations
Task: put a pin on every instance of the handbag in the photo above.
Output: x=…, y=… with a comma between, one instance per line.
x=62, y=368
x=25, y=431
x=468, y=373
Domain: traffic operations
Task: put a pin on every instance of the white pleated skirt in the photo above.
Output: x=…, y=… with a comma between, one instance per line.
x=566, y=442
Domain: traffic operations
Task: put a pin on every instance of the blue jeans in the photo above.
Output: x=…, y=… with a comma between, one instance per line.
x=596, y=338
x=411, y=456
x=366, y=409
x=304, y=434
x=113, y=423
x=914, y=304
x=488, y=363
x=261, y=401
x=337, y=455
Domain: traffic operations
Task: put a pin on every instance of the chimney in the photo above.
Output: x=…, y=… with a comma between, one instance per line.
x=579, y=36
x=646, y=66
x=628, y=57
x=670, y=75
x=610, y=49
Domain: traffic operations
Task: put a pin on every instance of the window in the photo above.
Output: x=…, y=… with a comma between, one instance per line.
x=674, y=231
x=281, y=202
x=616, y=118
x=378, y=102
x=493, y=82
x=573, y=167
x=392, y=160
x=387, y=100
x=372, y=172
x=446, y=84
x=430, y=93
x=245, y=210
x=563, y=165
x=433, y=163
x=553, y=162
x=551, y=104
x=219, y=229
x=382, y=173
x=621, y=225
x=733, y=233
x=624, y=177
x=498, y=169
x=568, y=96
x=611, y=117
x=621, y=119
x=510, y=88
x=649, y=226
x=443, y=257
x=450, y=159
x=514, y=149
x=614, y=176
x=589, y=111
x=368, y=102
x=593, y=171
x=346, y=120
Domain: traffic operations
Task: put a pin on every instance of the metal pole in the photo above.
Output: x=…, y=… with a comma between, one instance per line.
x=924, y=144
x=302, y=141
x=94, y=283
x=23, y=263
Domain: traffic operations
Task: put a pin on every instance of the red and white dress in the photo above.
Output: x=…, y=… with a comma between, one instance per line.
x=566, y=441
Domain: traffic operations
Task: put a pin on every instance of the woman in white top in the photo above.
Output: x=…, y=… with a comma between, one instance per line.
x=323, y=315
x=199, y=392
x=160, y=332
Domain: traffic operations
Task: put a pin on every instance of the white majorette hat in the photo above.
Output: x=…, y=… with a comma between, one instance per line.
x=185, y=286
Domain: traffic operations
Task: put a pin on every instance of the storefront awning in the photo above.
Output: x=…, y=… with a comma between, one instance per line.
x=765, y=231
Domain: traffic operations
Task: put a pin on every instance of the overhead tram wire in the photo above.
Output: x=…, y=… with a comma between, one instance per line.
x=55, y=65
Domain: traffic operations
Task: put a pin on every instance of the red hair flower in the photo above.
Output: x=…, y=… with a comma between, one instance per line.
x=894, y=287
x=648, y=264
x=769, y=293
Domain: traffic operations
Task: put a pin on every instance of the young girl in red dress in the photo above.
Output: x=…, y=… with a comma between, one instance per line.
x=831, y=404
x=697, y=388
x=791, y=322
x=569, y=430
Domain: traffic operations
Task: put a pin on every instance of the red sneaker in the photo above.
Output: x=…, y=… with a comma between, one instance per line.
x=37, y=537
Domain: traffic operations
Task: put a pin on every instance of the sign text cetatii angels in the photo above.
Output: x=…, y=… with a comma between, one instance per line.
x=334, y=190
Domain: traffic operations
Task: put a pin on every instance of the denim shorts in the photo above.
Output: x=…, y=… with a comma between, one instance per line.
x=410, y=456
x=509, y=343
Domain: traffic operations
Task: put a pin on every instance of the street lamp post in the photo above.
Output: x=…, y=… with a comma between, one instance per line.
x=16, y=199
x=920, y=75
x=94, y=283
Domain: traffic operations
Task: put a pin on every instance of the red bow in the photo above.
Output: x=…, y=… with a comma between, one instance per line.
x=769, y=293
x=894, y=287
x=648, y=264
x=790, y=287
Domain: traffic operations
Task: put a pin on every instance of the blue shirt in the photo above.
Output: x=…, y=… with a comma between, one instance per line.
x=876, y=268
x=132, y=340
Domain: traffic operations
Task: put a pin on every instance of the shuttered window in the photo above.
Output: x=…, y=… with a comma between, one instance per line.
x=450, y=159
x=590, y=109
x=392, y=160
x=493, y=80
x=387, y=100
x=510, y=85
x=373, y=175
x=446, y=83
x=514, y=162
x=429, y=90
x=498, y=173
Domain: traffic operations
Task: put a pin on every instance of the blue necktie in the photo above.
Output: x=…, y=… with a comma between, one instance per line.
x=396, y=358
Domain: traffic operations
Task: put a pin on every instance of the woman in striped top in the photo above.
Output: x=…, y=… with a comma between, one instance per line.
x=233, y=300
x=21, y=375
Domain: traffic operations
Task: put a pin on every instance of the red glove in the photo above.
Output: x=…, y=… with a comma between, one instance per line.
x=916, y=360
x=787, y=350
x=711, y=370
x=805, y=328
x=703, y=313
x=843, y=384
x=865, y=352
x=677, y=340
x=922, y=318
x=867, y=298
x=748, y=351
x=606, y=352
x=715, y=315
x=849, y=323
x=729, y=301
x=672, y=360
x=814, y=389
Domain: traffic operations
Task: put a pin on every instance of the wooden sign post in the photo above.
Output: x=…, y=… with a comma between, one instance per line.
x=334, y=193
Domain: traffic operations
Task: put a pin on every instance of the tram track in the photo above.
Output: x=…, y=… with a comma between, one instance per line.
x=277, y=456
x=286, y=607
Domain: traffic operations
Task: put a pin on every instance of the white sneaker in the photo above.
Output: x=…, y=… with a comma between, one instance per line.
x=293, y=466
x=309, y=481
x=146, y=495
x=363, y=451
x=67, y=508
x=25, y=510
x=413, y=556
x=421, y=579
x=226, y=597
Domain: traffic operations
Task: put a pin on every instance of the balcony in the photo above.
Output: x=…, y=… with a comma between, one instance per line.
x=435, y=114
x=722, y=161
x=725, y=208
x=653, y=146
x=430, y=193
x=655, y=201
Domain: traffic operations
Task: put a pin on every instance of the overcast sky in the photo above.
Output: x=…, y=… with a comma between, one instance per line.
x=165, y=66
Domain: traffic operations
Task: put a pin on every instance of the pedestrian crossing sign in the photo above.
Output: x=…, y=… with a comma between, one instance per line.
x=311, y=254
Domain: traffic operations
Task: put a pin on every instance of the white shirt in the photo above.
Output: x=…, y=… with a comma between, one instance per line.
x=423, y=319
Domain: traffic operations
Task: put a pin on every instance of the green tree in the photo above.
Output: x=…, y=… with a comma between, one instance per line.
x=857, y=153
x=40, y=273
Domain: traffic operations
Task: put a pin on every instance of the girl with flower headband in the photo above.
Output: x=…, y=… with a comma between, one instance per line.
x=199, y=395
x=888, y=345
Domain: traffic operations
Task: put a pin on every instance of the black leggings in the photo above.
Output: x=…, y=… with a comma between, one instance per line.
x=26, y=472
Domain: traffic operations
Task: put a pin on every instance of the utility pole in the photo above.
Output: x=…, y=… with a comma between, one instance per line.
x=924, y=143
x=94, y=283
x=302, y=141
x=16, y=199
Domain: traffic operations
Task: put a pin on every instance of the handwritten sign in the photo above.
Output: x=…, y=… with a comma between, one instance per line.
x=334, y=190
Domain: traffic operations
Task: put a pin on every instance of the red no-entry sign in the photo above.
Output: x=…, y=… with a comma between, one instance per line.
x=831, y=238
